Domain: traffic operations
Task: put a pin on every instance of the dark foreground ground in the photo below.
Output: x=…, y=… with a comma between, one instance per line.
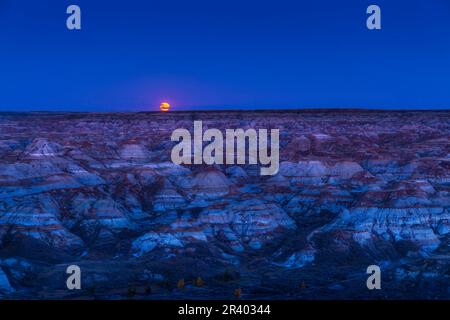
x=355, y=188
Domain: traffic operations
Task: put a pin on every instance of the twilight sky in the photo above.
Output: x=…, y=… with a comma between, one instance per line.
x=131, y=55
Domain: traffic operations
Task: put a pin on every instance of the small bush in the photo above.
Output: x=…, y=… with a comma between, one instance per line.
x=303, y=285
x=199, y=282
x=180, y=284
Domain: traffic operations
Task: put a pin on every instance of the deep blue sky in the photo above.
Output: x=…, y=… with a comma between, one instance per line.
x=133, y=54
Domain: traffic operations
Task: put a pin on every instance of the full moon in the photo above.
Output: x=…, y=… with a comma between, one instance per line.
x=164, y=107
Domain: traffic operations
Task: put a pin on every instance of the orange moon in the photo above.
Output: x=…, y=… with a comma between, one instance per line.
x=164, y=107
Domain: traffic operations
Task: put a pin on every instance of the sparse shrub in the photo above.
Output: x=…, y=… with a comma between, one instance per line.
x=180, y=284
x=199, y=282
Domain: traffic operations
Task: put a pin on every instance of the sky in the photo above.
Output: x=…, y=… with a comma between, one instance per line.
x=215, y=54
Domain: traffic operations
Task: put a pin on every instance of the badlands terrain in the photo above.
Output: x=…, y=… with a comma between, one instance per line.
x=98, y=190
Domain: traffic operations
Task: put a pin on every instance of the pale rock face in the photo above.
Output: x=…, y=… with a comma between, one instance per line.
x=390, y=169
x=414, y=224
x=237, y=172
x=255, y=218
x=105, y=212
x=8, y=145
x=299, y=259
x=317, y=169
x=110, y=214
x=168, y=169
x=32, y=169
x=303, y=169
x=251, y=223
x=147, y=177
x=298, y=146
x=278, y=180
x=182, y=182
x=288, y=169
x=321, y=141
x=17, y=268
x=211, y=183
x=5, y=286
x=133, y=151
x=250, y=217
x=168, y=198
x=150, y=241
x=45, y=174
x=43, y=148
x=317, y=173
x=44, y=227
x=425, y=186
x=346, y=169
x=312, y=169
x=37, y=218
x=443, y=227
x=304, y=144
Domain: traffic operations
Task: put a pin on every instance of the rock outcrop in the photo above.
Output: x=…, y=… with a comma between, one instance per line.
x=354, y=188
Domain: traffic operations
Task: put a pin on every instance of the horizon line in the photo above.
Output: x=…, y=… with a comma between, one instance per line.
x=227, y=108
